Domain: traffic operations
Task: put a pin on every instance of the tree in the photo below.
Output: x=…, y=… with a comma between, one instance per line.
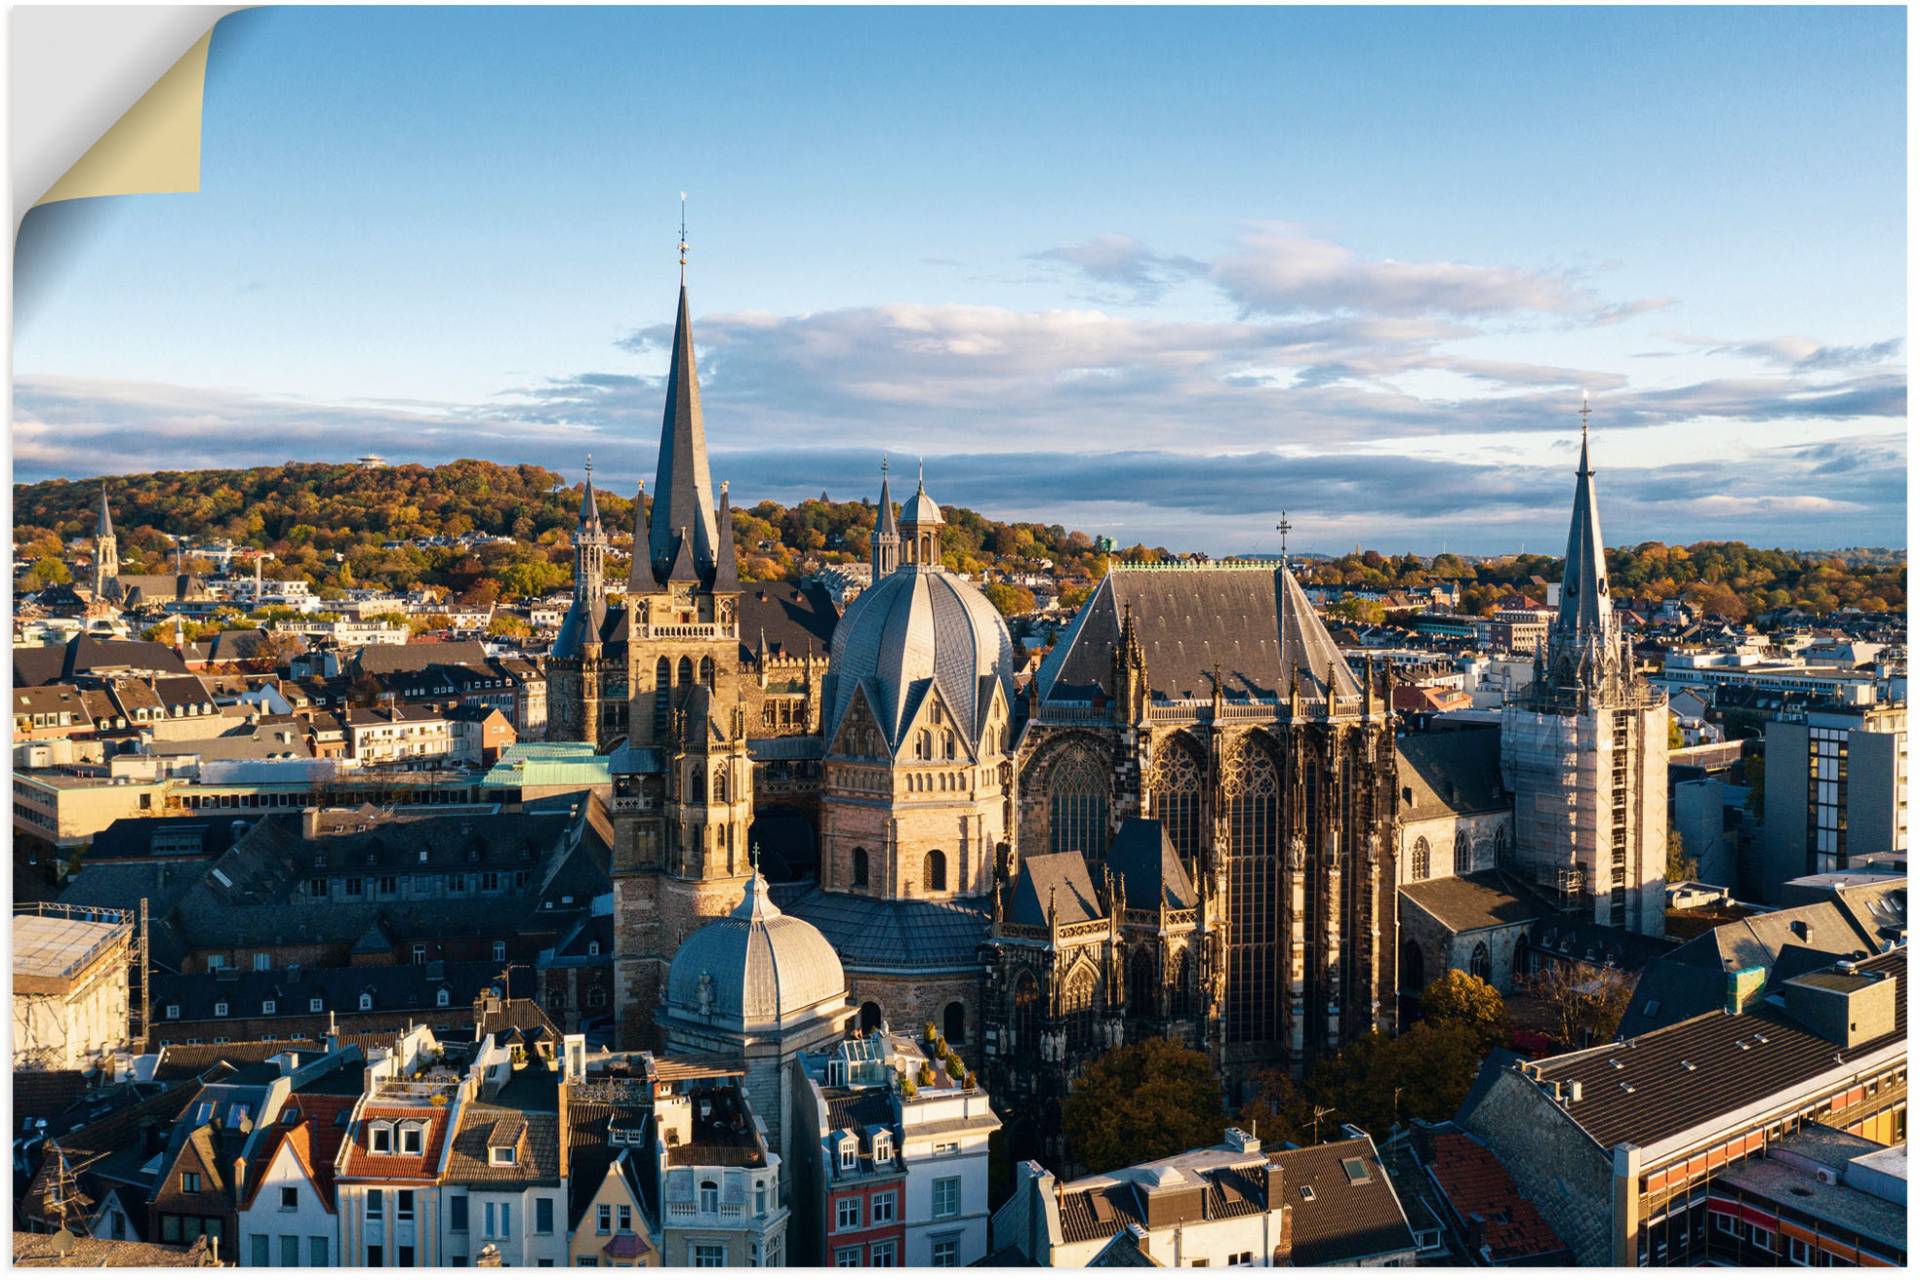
x=1679, y=866
x=1142, y=1101
x=1676, y=738
x=1008, y=599
x=50, y=571
x=1586, y=1001
x=1361, y=610
x=1460, y=999
x=275, y=650
x=1275, y=1108
x=507, y=624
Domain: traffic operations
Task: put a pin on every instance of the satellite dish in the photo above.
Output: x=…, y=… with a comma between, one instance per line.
x=62, y=1242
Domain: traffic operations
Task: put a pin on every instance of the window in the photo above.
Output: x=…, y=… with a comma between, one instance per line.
x=317, y=1251
x=626, y=1217
x=317, y=887
x=269, y=1007
x=709, y=1197
x=946, y=1197
x=849, y=1153
x=173, y=1011
x=1242, y=1259
x=315, y=1005
x=1077, y=804
x=442, y=998
x=585, y=1260
x=289, y=1199
x=220, y=1009
x=257, y=1248
x=262, y=961
x=366, y=1001
x=1422, y=859
x=403, y=1255
x=882, y=1148
x=1481, y=964
x=883, y=1205
x=859, y=868
x=946, y=1148
x=376, y=1203
x=376, y=1256
x=946, y=1253
x=936, y=870
x=709, y=1255
x=882, y=1254
x=379, y=1142
x=456, y=1213
x=412, y=1142
x=846, y=1213
x=849, y=1257
x=419, y=953
x=759, y=1199
x=356, y=887
x=289, y=1251
x=1762, y=1238
x=403, y=1206
x=543, y=1216
x=501, y=1156
x=1725, y=1222
x=189, y=1183
x=603, y=1220
x=499, y=952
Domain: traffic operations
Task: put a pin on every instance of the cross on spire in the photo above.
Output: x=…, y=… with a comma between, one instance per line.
x=1285, y=527
x=683, y=237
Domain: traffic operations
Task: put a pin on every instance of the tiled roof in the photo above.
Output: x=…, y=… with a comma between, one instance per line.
x=1736, y=1059
x=1346, y=1220
x=1483, y=1196
x=1450, y=771
x=534, y=1138
x=892, y=933
x=1097, y=1212
x=1054, y=888
x=30, y=1250
x=1483, y=900
x=360, y=1164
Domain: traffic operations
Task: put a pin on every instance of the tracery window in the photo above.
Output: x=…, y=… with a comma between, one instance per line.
x=1175, y=791
x=1026, y=1013
x=696, y=784
x=720, y=785
x=1422, y=859
x=1077, y=801
x=706, y=673
x=685, y=674
x=662, y=685
x=1251, y=781
x=1143, y=984
x=1481, y=965
x=1182, y=1003
x=1076, y=1005
x=1462, y=855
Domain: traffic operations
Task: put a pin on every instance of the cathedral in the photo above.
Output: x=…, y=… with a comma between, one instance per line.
x=1190, y=823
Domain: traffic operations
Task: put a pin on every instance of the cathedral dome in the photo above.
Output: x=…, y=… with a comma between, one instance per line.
x=917, y=629
x=754, y=968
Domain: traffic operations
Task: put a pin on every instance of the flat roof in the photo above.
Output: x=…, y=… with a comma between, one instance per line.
x=1799, y=1191
x=58, y=946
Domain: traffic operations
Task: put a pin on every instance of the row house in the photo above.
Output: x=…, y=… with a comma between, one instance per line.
x=399, y=735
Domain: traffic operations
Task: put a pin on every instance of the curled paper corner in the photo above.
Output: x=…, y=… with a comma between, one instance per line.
x=154, y=148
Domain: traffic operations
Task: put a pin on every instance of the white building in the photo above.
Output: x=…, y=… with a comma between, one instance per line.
x=70, y=1002
x=398, y=735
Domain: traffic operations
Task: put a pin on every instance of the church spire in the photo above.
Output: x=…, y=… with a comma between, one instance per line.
x=886, y=531
x=106, y=553
x=726, y=569
x=104, y=528
x=682, y=489
x=1585, y=608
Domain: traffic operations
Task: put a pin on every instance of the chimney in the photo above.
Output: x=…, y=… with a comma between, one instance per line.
x=1277, y=1202
x=310, y=822
x=1240, y=1140
x=1573, y=1091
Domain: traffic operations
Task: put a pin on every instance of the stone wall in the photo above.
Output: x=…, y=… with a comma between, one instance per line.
x=1553, y=1162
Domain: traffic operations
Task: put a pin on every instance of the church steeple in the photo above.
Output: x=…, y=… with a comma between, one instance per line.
x=587, y=614
x=885, y=539
x=1585, y=608
x=682, y=490
x=106, y=553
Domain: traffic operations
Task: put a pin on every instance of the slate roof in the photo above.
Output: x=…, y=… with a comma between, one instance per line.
x=1094, y=1212
x=878, y=933
x=590, y=1154
x=535, y=1139
x=681, y=532
x=396, y=988
x=240, y=645
x=30, y=1250
x=198, y=836
x=1484, y=900
x=51, y=699
x=392, y=659
x=1057, y=885
x=109, y=1149
x=1450, y=771
x=1144, y=859
x=1667, y=1099
x=1345, y=1221
x=793, y=618
x=1486, y=1202
x=137, y=589
x=1253, y=623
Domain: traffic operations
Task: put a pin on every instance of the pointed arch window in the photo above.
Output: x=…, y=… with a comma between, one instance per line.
x=663, y=686
x=1251, y=781
x=696, y=783
x=1077, y=1005
x=936, y=877
x=1182, y=1003
x=1481, y=964
x=706, y=673
x=720, y=784
x=1077, y=804
x=1463, y=856
x=859, y=868
x=1175, y=795
x=1143, y=983
x=1422, y=859
x=1026, y=1013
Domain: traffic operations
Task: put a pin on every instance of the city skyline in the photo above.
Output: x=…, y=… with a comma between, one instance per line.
x=1244, y=337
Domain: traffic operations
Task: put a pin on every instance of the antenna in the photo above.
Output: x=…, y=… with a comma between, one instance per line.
x=1319, y=1114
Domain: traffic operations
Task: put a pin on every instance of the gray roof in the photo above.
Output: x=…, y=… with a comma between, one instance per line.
x=1586, y=610
x=84, y=655
x=756, y=966
x=103, y=528
x=1056, y=885
x=394, y=987
x=1483, y=900
x=387, y=659
x=917, y=630
x=1811, y=1197
x=1254, y=624
x=1346, y=1220
x=1446, y=772
x=682, y=491
x=1144, y=859
x=793, y=620
x=921, y=509
x=886, y=933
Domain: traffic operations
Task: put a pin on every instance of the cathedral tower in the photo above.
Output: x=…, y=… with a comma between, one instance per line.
x=575, y=662
x=1584, y=749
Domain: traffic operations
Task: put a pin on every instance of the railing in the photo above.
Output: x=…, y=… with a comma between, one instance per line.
x=121, y=920
x=688, y=631
x=629, y=804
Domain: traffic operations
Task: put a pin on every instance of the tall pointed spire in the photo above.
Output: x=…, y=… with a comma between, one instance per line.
x=1585, y=608
x=682, y=490
x=104, y=527
x=106, y=553
x=726, y=570
x=885, y=539
x=589, y=507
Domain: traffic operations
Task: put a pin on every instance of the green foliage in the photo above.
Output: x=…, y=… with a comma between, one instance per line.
x=1008, y=599
x=1356, y=609
x=1459, y=999
x=1376, y=1083
x=508, y=624
x=50, y=572
x=1676, y=739
x=1142, y=1101
x=1679, y=865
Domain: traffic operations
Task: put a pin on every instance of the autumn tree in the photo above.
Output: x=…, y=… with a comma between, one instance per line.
x=1679, y=866
x=51, y=572
x=1459, y=999
x=1585, y=1001
x=1142, y=1101
x=1008, y=599
x=1275, y=1108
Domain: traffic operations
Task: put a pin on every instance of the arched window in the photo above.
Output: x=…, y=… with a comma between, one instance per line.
x=1522, y=957
x=870, y=1016
x=1183, y=987
x=1422, y=859
x=709, y=1197
x=923, y=745
x=949, y=746
x=1413, y=969
x=936, y=878
x=706, y=673
x=1174, y=790
x=953, y=1023
x=1251, y=782
x=1076, y=1004
x=1143, y=983
x=1026, y=1013
x=684, y=676
x=662, y=700
x=720, y=785
x=696, y=784
x=1077, y=801
x=1463, y=855
x=859, y=868
x=1481, y=965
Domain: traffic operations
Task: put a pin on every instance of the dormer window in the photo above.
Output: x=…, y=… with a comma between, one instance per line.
x=882, y=1148
x=366, y=1001
x=220, y=1009
x=413, y=1138
x=315, y=1005
x=269, y=1007
x=441, y=998
x=501, y=1157
x=849, y=1153
x=380, y=1138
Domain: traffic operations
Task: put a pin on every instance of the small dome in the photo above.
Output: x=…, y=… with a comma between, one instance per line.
x=916, y=628
x=754, y=968
x=921, y=509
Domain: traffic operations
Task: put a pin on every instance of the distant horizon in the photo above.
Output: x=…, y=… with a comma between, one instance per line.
x=803, y=492
x=1164, y=273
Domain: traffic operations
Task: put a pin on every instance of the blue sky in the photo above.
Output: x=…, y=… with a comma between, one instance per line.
x=1157, y=273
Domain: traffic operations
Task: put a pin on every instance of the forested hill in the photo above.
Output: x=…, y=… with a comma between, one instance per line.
x=329, y=523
